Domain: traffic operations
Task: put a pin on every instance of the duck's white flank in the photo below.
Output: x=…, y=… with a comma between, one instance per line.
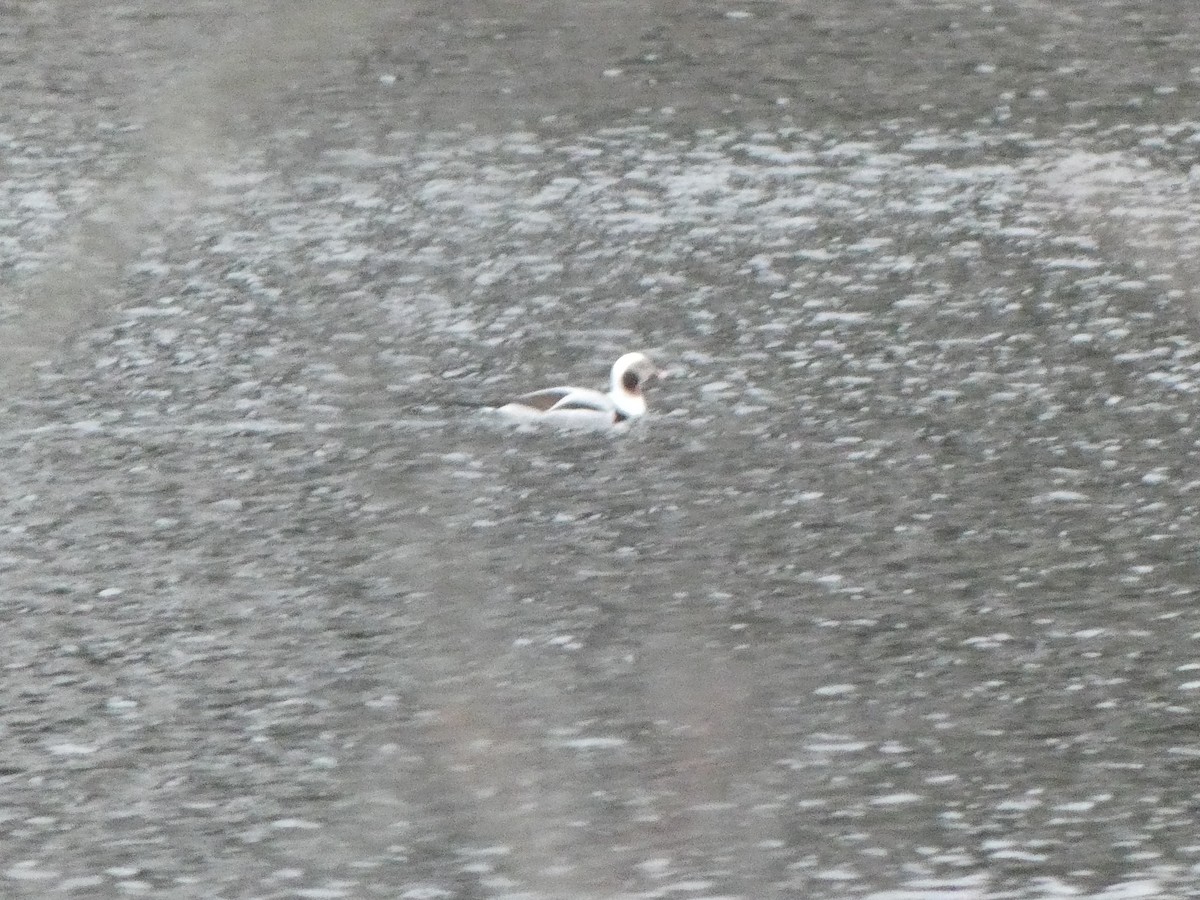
x=567, y=405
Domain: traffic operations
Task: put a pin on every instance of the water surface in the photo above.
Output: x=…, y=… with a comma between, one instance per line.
x=892, y=596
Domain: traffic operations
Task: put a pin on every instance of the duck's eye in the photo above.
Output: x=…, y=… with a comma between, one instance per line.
x=630, y=381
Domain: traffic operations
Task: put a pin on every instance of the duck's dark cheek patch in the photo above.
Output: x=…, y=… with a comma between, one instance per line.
x=630, y=382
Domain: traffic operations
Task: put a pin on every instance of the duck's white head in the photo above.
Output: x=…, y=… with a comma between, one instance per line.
x=630, y=374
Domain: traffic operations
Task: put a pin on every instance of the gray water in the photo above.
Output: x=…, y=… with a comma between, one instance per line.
x=892, y=596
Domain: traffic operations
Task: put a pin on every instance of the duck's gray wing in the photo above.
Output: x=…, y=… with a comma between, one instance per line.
x=584, y=398
x=543, y=400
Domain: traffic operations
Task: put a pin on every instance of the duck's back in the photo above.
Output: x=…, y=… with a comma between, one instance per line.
x=564, y=406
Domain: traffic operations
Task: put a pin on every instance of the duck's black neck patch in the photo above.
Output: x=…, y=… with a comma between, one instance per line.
x=630, y=382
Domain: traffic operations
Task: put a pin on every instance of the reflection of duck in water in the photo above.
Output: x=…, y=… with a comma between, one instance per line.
x=567, y=405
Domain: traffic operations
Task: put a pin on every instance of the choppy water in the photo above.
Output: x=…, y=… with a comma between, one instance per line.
x=893, y=596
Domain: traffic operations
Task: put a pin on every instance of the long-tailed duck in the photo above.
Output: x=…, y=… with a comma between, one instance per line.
x=577, y=406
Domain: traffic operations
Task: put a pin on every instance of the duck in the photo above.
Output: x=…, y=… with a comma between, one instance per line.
x=576, y=406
